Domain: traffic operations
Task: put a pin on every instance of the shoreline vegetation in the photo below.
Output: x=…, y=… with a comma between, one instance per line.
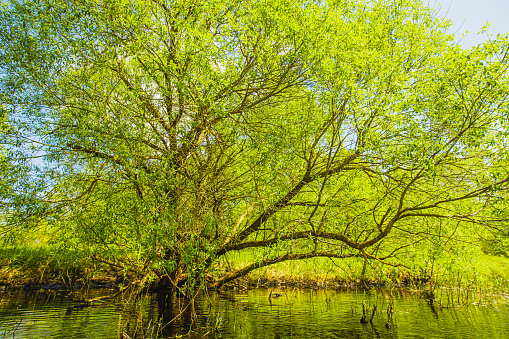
x=43, y=267
x=191, y=145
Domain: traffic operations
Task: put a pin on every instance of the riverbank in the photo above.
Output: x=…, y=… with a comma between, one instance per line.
x=480, y=271
x=50, y=268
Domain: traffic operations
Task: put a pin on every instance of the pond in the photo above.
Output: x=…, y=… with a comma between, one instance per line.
x=288, y=313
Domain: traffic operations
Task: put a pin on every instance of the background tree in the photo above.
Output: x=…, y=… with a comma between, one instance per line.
x=177, y=132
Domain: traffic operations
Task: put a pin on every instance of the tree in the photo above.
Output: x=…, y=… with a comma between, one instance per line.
x=176, y=132
x=11, y=178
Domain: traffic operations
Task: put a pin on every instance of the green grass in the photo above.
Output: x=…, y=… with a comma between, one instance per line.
x=474, y=271
x=38, y=265
x=34, y=262
x=316, y=270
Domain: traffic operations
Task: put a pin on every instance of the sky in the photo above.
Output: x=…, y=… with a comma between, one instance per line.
x=471, y=15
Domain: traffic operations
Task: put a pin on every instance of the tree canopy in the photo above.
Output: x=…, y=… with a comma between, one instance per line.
x=175, y=132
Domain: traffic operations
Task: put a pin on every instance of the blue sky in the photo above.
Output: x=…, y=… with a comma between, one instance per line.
x=471, y=15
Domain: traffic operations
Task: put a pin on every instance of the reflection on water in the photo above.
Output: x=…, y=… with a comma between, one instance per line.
x=296, y=313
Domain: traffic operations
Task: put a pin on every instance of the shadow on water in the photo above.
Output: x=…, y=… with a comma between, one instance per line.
x=291, y=313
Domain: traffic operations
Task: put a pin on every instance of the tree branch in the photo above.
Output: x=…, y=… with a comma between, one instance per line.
x=289, y=256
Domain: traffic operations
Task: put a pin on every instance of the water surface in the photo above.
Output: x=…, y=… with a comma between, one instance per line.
x=293, y=313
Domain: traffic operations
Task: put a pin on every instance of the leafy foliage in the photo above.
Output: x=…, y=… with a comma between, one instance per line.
x=175, y=132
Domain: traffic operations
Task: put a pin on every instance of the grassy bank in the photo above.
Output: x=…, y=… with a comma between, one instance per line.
x=478, y=271
x=36, y=266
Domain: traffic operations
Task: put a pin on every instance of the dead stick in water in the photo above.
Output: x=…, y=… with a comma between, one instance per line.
x=372, y=315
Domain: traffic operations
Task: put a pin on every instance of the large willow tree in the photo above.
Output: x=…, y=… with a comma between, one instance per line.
x=174, y=132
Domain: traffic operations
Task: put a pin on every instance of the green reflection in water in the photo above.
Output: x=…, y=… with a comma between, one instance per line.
x=297, y=313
